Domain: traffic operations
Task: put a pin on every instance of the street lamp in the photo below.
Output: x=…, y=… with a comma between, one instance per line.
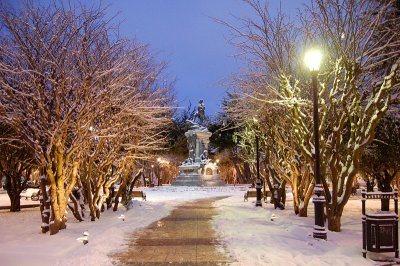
x=159, y=168
x=313, y=61
x=152, y=176
x=258, y=181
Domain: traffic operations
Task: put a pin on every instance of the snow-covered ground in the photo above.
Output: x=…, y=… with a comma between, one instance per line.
x=248, y=232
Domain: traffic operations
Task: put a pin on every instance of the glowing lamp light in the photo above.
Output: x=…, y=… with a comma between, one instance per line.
x=313, y=59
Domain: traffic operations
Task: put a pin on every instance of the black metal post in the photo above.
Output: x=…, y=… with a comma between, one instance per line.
x=159, y=171
x=319, y=198
x=152, y=176
x=258, y=181
x=396, y=224
x=364, y=223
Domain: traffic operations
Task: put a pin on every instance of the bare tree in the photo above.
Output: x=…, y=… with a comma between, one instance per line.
x=268, y=45
x=65, y=71
x=348, y=121
x=361, y=41
x=16, y=165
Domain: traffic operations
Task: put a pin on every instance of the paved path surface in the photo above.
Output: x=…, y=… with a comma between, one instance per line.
x=185, y=237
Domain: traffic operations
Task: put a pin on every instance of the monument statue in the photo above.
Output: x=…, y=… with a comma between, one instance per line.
x=198, y=169
x=200, y=114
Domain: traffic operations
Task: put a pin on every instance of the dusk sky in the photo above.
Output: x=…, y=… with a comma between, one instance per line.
x=183, y=33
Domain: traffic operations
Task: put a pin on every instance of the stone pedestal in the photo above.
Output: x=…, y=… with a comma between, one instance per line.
x=194, y=171
x=191, y=175
x=198, y=140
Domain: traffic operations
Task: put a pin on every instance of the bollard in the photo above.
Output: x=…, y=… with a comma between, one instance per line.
x=258, y=190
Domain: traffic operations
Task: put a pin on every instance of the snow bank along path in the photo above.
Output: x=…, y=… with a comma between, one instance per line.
x=248, y=233
x=22, y=243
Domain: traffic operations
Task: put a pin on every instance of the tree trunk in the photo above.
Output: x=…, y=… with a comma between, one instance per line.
x=296, y=201
x=15, y=201
x=303, y=211
x=334, y=223
x=75, y=207
x=110, y=197
x=334, y=215
x=44, y=206
x=307, y=196
x=55, y=226
x=384, y=186
x=57, y=200
x=122, y=189
x=283, y=193
x=98, y=213
x=119, y=192
x=266, y=178
x=247, y=173
x=14, y=187
x=63, y=222
x=370, y=185
x=90, y=200
x=279, y=195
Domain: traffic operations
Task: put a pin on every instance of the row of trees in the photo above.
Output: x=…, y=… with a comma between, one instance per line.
x=79, y=104
x=271, y=98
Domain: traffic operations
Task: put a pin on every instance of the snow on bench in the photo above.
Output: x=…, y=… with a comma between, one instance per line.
x=137, y=193
x=28, y=192
x=253, y=194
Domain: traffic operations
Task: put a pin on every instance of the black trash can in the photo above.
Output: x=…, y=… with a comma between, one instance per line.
x=380, y=229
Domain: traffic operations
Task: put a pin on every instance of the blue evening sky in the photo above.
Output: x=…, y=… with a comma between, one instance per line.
x=183, y=33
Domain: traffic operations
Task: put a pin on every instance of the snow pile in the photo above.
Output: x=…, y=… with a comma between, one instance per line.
x=133, y=204
x=252, y=235
x=265, y=236
x=22, y=243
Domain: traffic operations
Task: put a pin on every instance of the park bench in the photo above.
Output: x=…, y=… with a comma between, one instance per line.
x=28, y=192
x=253, y=194
x=137, y=193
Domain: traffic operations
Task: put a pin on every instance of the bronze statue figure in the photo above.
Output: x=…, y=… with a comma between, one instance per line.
x=200, y=112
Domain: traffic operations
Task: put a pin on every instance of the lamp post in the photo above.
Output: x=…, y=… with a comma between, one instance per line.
x=258, y=180
x=152, y=176
x=313, y=61
x=159, y=168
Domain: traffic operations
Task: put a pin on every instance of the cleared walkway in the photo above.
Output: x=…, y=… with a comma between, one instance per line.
x=185, y=237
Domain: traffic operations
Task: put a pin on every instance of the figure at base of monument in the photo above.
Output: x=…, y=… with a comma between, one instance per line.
x=204, y=157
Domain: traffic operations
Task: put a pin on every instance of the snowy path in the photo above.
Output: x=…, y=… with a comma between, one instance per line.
x=185, y=237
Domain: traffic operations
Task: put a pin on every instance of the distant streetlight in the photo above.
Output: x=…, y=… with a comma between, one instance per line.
x=313, y=62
